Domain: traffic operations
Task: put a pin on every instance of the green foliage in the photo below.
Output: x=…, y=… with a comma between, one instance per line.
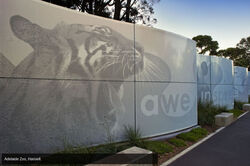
x=245, y=45
x=194, y=135
x=78, y=150
x=177, y=142
x=129, y=10
x=236, y=112
x=220, y=108
x=106, y=149
x=238, y=105
x=103, y=149
x=188, y=137
x=133, y=136
x=158, y=147
x=206, y=113
x=199, y=131
x=205, y=44
x=238, y=55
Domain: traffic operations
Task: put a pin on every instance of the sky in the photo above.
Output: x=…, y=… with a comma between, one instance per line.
x=227, y=21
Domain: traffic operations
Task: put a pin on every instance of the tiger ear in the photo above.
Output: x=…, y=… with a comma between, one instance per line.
x=25, y=30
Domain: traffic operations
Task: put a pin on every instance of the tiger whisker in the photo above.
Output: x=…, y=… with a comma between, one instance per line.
x=106, y=65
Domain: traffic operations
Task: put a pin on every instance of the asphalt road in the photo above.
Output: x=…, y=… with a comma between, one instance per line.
x=229, y=147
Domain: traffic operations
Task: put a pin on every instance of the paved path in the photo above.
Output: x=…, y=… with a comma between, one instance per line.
x=230, y=147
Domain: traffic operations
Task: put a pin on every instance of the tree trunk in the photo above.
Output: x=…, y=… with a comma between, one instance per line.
x=91, y=7
x=118, y=7
x=128, y=10
x=83, y=6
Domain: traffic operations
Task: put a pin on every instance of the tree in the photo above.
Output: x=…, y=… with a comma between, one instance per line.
x=244, y=44
x=205, y=44
x=138, y=11
x=238, y=55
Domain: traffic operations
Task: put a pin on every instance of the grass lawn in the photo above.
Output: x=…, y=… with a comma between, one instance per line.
x=158, y=147
x=236, y=112
x=194, y=135
x=177, y=142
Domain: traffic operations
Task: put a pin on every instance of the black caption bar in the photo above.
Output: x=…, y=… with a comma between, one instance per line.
x=79, y=158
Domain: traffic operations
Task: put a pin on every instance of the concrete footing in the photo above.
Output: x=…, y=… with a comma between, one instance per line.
x=246, y=107
x=224, y=119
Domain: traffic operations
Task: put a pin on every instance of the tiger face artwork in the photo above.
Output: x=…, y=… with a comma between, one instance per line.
x=68, y=85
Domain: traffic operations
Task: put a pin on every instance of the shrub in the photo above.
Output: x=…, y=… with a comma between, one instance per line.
x=206, y=113
x=238, y=105
x=193, y=135
x=177, y=142
x=236, y=112
x=188, y=137
x=106, y=149
x=78, y=150
x=158, y=147
x=133, y=136
x=199, y=131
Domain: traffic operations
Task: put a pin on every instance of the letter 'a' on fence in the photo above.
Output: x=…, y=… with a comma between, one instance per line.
x=69, y=78
x=240, y=84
